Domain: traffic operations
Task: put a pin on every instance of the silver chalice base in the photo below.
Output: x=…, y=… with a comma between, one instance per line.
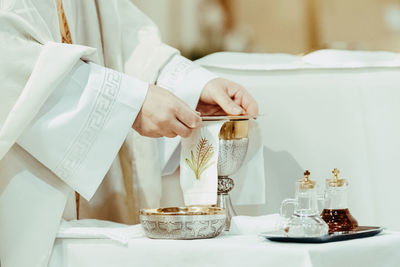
x=230, y=159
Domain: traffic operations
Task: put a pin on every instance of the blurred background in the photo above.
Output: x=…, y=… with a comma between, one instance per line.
x=201, y=27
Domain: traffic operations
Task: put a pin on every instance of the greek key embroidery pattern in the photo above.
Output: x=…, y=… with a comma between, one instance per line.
x=98, y=117
x=176, y=74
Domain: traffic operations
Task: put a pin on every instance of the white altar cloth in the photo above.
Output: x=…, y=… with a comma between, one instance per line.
x=226, y=250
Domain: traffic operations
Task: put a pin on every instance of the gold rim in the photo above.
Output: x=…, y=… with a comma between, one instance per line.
x=228, y=118
x=234, y=130
x=183, y=211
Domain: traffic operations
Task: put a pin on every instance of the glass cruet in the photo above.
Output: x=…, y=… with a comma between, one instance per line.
x=300, y=215
x=336, y=212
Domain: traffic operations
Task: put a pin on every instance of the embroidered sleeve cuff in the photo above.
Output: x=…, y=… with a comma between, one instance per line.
x=80, y=129
x=185, y=79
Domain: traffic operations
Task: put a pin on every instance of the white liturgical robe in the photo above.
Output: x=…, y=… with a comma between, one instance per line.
x=66, y=114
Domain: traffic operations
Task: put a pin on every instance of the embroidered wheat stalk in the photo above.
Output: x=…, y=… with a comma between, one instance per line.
x=200, y=162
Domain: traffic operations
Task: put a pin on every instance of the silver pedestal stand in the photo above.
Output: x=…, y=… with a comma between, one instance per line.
x=230, y=158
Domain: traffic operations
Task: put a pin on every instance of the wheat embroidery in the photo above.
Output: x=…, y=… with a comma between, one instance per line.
x=199, y=163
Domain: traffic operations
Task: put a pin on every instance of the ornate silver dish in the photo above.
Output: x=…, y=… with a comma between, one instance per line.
x=183, y=223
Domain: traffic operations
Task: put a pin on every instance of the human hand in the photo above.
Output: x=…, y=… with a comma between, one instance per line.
x=164, y=114
x=222, y=97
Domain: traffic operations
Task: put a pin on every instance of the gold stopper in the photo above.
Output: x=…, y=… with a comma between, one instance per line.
x=306, y=183
x=336, y=181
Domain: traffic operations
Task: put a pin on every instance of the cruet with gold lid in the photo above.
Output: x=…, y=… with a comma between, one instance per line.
x=300, y=215
x=336, y=212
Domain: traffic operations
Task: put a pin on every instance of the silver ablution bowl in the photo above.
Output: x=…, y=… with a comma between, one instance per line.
x=233, y=145
x=183, y=222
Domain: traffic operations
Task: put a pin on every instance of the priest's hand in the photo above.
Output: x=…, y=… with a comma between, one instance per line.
x=164, y=114
x=222, y=97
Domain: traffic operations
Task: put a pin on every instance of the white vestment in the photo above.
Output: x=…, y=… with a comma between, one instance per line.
x=65, y=120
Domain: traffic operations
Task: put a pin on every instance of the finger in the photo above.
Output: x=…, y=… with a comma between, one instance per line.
x=249, y=104
x=227, y=104
x=242, y=97
x=252, y=110
x=188, y=116
x=180, y=129
x=210, y=109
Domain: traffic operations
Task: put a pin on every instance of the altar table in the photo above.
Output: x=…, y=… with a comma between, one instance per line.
x=227, y=250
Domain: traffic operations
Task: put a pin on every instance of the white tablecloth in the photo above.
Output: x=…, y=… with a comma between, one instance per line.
x=246, y=249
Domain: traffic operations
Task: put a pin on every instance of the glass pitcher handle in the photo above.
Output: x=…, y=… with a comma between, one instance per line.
x=284, y=211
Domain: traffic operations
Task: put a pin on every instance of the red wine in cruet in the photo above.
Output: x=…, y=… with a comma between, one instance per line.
x=339, y=220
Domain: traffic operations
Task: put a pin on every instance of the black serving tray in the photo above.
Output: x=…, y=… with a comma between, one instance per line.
x=359, y=232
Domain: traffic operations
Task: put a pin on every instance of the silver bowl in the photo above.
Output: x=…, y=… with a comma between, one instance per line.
x=183, y=223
